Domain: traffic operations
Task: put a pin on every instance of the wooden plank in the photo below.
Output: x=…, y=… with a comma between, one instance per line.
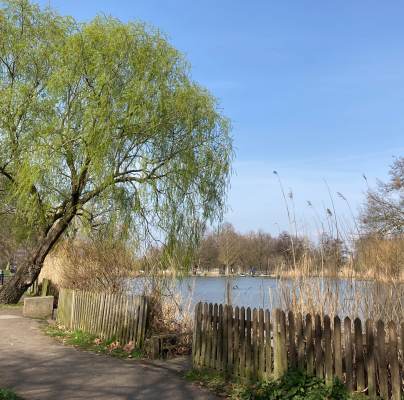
x=254, y=340
x=204, y=333
x=300, y=341
x=328, y=364
x=209, y=335
x=214, y=337
x=395, y=380
x=196, y=342
x=381, y=360
x=236, y=349
x=370, y=359
x=248, y=353
x=278, y=345
x=268, y=345
x=319, y=360
x=225, y=338
x=261, y=344
x=348, y=355
x=283, y=341
x=219, y=359
x=308, y=334
x=292, y=340
x=144, y=322
x=242, y=363
x=359, y=359
x=337, y=347
x=230, y=339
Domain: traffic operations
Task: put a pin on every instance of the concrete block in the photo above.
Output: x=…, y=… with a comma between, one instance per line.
x=38, y=307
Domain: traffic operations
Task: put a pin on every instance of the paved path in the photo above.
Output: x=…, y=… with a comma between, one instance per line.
x=39, y=368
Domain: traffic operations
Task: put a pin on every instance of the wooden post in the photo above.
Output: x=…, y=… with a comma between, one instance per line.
x=359, y=359
x=219, y=359
x=225, y=338
x=213, y=357
x=209, y=336
x=230, y=339
x=279, y=344
x=337, y=348
x=329, y=376
x=236, y=349
x=196, y=342
x=248, y=354
x=261, y=344
x=381, y=360
x=348, y=355
x=292, y=340
x=318, y=348
x=393, y=361
x=300, y=341
x=255, y=344
x=268, y=345
x=242, y=364
x=308, y=333
x=370, y=359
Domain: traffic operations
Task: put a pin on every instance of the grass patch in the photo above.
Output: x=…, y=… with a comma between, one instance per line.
x=10, y=307
x=295, y=385
x=6, y=394
x=86, y=341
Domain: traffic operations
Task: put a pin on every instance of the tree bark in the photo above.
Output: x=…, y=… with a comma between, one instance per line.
x=28, y=272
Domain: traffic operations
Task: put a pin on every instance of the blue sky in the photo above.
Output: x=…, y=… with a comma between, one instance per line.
x=314, y=89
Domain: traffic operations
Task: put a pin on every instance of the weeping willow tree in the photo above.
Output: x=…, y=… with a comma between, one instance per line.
x=100, y=122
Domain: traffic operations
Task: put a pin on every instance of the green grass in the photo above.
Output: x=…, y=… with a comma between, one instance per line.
x=10, y=306
x=86, y=341
x=6, y=394
x=295, y=385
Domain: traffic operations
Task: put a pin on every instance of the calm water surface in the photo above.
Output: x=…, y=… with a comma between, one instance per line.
x=265, y=291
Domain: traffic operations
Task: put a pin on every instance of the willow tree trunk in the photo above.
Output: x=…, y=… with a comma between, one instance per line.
x=28, y=272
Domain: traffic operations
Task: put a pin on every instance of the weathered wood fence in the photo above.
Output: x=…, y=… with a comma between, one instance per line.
x=109, y=316
x=254, y=344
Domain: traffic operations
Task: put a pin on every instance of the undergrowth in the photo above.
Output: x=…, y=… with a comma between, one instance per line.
x=294, y=385
x=86, y=341
x=6, y=394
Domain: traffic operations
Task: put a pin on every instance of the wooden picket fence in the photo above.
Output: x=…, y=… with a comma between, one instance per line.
x=109, y=316
x=256, y=345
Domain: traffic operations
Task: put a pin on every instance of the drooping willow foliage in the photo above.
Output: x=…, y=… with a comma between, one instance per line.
x=101, y=123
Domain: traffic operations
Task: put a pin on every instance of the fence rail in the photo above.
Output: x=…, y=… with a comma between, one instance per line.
x=256, y=344
x=105, y=315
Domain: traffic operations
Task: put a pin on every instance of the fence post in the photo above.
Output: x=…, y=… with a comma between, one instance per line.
x=300, y=341
x=214, y=337
x=268, y=345
x=337, y=348
x=381, y=360
x=393, y=361
x=348, y=354
x=370, y=359
x=318, y=348
x=248, y=345
x=242, y=365
x=236, y=349
x=308, y=333
x=292, y=340
x=261, y=345
x=359, y=361
x=328, y=350
x=279, y=344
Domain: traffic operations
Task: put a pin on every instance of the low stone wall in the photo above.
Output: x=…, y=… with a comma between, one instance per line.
x=38, y=307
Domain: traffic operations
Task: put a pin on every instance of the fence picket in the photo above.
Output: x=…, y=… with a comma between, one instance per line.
x=381, y=360
x=329, y=373
x=268, y=345
x=393, y=361
x=245, y=343
x=370, y=359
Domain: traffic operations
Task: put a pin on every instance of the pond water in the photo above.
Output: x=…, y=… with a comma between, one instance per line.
x=347, y=297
